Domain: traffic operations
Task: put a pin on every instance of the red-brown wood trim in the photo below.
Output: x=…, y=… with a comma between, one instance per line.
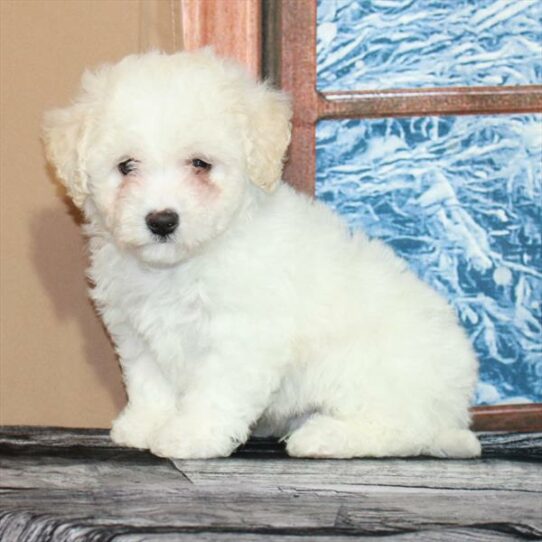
x=433, y=101
x=232, y=27
x=298, y=78
x=523, y=417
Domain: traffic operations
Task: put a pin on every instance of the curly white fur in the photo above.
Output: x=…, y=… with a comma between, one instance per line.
x=260, y=313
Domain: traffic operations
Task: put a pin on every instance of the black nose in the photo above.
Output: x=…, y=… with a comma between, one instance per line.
x=162, y=223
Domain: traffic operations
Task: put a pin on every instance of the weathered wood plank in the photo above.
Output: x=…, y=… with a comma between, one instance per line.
x=75, y=485
x=452, y=535
x=363, y=475
x=327, y=512
x=80, y=475
x=29, y=440
x=43, y=528
x=20, y=437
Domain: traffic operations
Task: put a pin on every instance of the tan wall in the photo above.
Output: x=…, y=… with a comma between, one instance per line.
x=57, y=366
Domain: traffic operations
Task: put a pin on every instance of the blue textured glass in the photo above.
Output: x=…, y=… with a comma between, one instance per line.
x=376, y=44
x=460, y=198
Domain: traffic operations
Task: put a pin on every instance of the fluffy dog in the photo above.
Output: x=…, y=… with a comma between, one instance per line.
x=236, y=304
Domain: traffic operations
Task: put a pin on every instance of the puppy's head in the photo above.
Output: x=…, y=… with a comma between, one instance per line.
x=160, y=150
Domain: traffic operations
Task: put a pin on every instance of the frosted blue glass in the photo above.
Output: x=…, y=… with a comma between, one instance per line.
x=460, y=198
x=376, y=44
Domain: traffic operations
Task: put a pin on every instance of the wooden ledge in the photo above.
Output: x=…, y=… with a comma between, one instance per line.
x=526, y=417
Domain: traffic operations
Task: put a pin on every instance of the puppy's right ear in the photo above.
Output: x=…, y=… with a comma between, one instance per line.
x=63, y=134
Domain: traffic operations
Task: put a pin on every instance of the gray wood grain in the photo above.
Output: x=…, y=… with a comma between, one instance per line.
x=467, y=535
x=72, y=485
x=367, y=475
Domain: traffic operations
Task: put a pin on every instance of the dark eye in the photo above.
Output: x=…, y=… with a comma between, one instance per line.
x=198, y=163
x=127, y=166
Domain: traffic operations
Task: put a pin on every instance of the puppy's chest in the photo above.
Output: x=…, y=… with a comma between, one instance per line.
x=170, y=312
x=174, y=322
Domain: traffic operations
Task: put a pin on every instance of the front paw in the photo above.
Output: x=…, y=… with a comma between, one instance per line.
x=133, y=428
x=185, y=438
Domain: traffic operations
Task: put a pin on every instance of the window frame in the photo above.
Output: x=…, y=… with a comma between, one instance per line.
x=233, y=28
x=289, y=60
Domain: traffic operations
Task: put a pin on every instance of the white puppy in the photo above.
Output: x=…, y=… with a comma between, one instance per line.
x=236, y=304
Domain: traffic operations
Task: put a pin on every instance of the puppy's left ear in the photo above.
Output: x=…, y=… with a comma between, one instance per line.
x=268, y=136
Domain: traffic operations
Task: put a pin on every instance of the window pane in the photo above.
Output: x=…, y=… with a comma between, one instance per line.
x=461, y=199
x=376, y=44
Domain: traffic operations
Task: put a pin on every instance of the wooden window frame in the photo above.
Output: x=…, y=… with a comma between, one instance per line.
x=232, y=27
x=289, y=59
